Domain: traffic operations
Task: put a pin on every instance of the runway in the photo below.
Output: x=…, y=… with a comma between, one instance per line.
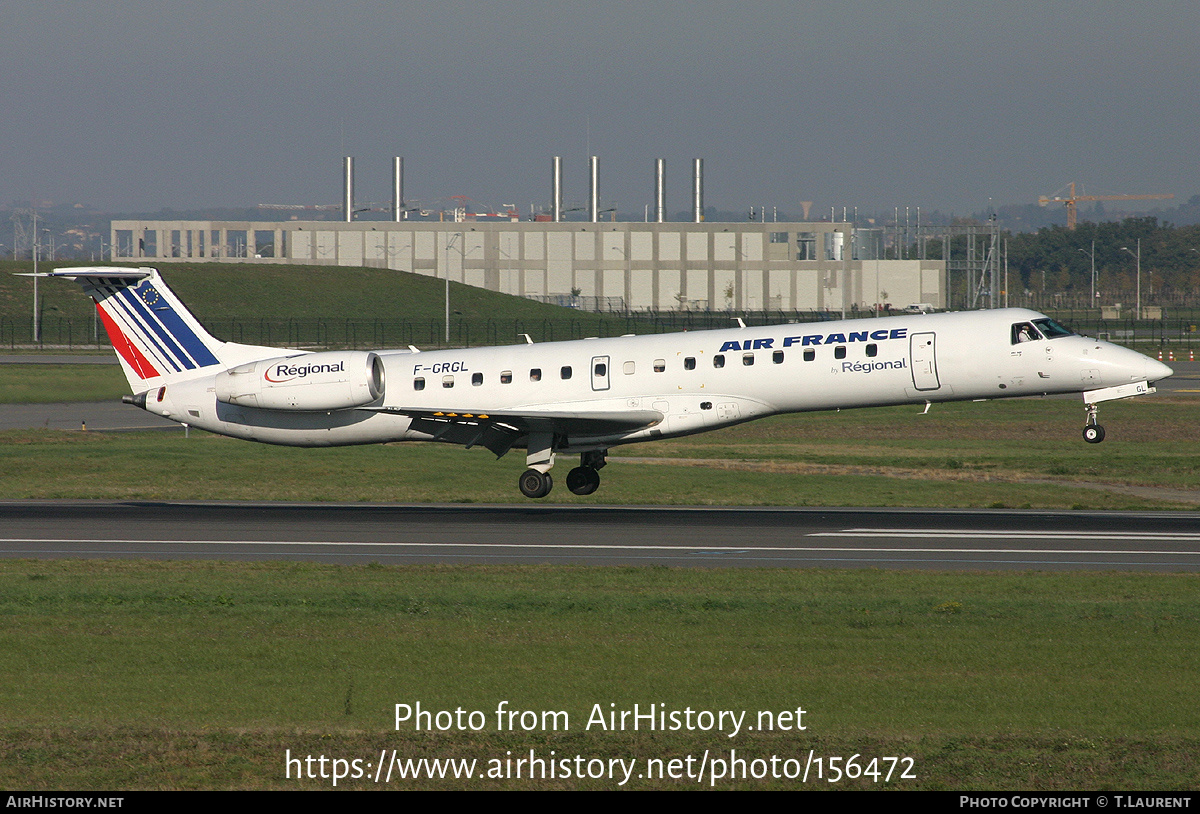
x=695, y=537
x=741, y=537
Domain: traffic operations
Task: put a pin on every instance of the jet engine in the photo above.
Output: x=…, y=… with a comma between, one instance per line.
x=334, y=380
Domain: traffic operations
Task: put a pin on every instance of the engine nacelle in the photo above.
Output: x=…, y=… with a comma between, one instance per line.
x=334, y=380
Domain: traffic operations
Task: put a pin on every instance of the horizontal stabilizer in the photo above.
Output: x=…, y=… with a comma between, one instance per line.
x=102, y=273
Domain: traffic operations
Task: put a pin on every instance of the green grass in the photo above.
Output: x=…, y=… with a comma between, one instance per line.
x=44, y=384
x=1003, y=454
x=305, y=305
x=174, y=675
x=216, y=291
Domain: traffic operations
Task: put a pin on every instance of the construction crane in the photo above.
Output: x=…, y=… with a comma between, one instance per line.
x=1070, y=201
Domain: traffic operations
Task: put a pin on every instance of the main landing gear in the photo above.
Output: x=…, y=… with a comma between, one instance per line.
x=582, y=480
x=1093, y=433
x=535, y=484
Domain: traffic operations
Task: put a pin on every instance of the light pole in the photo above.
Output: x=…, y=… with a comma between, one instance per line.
x=1138, y=257
x=449, y=246
x=1092, y=254
x=36, y=326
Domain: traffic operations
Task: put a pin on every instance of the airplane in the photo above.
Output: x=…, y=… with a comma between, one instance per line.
x=586, y=396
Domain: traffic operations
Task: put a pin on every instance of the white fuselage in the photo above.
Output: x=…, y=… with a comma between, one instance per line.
x=696, y=380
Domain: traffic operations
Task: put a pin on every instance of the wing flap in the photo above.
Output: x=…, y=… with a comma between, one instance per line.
x=501, y=430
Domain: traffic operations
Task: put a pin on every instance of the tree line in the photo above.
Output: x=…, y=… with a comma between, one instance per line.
x=1055, y=263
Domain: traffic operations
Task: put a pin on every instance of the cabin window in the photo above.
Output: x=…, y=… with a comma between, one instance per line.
x=777, y=357
x=839, y=352
x=601, y=369
x=565, y=371
x=660, y=365
x=809, y=355
x=418, y=383
x=476, y=379
x=447, y=381
x=505, y=377
x=689, y=363
x=719, y=360
x=747, y=359
x=872, y=350
x=629, y=367
x=535, y=375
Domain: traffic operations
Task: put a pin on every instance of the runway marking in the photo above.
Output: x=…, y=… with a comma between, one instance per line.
x=1148, y=536
x=732, y=550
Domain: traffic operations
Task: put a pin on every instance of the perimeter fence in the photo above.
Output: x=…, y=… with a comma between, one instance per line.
x=1179, y=332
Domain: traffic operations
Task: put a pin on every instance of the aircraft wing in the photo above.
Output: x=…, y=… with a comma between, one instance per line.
x=501, y=430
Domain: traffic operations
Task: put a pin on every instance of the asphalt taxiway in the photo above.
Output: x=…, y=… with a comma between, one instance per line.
x=697, y=537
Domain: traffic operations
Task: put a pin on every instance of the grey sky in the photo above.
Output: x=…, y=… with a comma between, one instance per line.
x=138, y=105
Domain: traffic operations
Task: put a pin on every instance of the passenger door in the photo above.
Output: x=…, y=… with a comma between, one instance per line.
x=924, y=361
x=600, y=372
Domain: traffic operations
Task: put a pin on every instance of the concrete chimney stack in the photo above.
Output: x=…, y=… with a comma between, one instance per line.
x=397, y=189
x=556, y=194
x=348, y=188
x=660, y=190
x=594, y=192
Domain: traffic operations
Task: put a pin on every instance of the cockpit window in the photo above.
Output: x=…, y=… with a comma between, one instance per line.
x=1024, y=332
x=1052, y=329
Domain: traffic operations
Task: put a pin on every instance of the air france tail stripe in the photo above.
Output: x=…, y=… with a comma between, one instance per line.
x=133, y=328
x=150, y=332
x=124, y=332
x=190, y=340
x=147, y=320
x=132, y=333
x=179, y=329
x=125, y=348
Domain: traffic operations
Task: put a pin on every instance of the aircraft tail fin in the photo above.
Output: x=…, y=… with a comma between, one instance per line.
x=156, y=338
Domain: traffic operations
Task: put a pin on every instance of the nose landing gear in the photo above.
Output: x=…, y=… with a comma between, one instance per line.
x=1093, y=433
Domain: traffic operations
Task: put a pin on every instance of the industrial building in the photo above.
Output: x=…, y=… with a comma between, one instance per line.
x=594, y=264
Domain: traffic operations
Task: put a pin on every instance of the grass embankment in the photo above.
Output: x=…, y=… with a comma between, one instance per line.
x=44, y=383
x=170, y=675
x=306, y=305
x=1018, y=454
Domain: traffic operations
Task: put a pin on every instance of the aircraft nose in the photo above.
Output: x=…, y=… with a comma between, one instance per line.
x=1156, y=370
